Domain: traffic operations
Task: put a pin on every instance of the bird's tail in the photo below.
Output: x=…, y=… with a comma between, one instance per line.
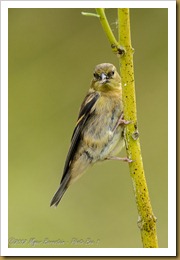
x=60, y=192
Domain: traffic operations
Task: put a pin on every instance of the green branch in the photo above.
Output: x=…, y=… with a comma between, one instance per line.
x=107, y=29
x=146, y=220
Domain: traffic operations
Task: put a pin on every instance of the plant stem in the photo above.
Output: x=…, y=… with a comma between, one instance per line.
x=107, y=29
x=146, y=220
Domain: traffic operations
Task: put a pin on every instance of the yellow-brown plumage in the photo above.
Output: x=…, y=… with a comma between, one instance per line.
x=98, y=134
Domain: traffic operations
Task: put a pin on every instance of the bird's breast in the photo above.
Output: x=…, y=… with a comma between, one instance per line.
x=99, y=137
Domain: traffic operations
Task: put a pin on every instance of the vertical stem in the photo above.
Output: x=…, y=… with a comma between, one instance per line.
x=147, y=220
x=107, y=29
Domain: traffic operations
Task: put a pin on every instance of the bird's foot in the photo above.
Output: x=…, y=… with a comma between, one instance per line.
x=121, y=121
x=125, y=159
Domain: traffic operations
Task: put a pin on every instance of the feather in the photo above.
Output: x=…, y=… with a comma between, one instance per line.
x=87, y=108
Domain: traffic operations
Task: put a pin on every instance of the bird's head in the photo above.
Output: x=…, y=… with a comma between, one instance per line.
x=106, y=78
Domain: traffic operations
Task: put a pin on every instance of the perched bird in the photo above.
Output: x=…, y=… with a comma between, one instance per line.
x=98, y=134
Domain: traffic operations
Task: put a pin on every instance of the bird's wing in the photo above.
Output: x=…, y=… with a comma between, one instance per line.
x=86, y=110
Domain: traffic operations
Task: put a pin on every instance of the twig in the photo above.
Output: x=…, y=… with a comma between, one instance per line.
x=146, y=220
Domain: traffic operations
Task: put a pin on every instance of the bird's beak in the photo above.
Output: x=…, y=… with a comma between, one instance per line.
x=104, y=78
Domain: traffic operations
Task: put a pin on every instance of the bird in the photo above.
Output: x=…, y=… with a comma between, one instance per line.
x=99, y=131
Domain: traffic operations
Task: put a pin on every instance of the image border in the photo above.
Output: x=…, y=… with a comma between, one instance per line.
x=171, y=250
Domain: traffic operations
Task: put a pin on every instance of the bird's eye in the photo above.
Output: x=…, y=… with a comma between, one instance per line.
x=110, y=74
x=97, y=77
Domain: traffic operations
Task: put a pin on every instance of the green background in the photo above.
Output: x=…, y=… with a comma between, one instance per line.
x=52, y=55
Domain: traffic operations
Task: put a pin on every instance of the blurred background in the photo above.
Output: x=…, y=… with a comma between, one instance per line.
x=52, y=55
